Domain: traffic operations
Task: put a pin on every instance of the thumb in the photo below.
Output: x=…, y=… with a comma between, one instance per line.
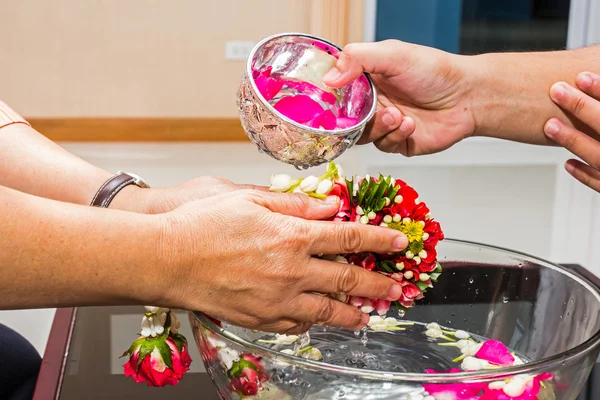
x=357, y=58
x=298, y=205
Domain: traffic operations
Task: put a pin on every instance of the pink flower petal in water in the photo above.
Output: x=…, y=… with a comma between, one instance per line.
x=325, y=120
x=454, y=391
x=299, y=108
x=495, y=352
x=346, y=122
x=268, y=87
x=309, y=88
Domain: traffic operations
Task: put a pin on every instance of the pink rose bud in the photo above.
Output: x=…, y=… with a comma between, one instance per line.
x=158, y=361
x=247, y=375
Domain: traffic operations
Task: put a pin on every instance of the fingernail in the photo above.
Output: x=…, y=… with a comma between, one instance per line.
x=569, y=167
x=552, y=128
x=558, y=91
x=333, y=75
x=585, y=80
x=331, y=200
x=388, y=120
x=365, y=319
x=405, y=125
x=400, y=243
x=395, y=292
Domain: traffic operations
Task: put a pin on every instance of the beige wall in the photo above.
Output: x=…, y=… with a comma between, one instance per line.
x=132, y=58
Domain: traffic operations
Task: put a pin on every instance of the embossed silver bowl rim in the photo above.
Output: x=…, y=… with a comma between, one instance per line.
x=460, y=377
x=324, y=132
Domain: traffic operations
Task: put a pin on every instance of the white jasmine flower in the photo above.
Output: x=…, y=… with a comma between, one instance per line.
x=461, y=334
x=312, y=354
x=434, y=333
x=309, y=184
x=496, y=385
x=228, y=356
x=146, y=327
x=151, y=309
x=516, y=386
x=473, y=364
x=280, y=183
x=324, y=186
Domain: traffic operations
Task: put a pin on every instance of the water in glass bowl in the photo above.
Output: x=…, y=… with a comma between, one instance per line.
x=401, y=351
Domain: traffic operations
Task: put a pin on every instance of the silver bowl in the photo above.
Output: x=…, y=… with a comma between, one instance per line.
x=301, y=58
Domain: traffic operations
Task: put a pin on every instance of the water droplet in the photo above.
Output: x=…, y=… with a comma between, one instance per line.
x=505, y=300
x=476, y=291
x=471, y=280
x=401, y=313
x=364, y=339
x=341, y=393
x=470, y=305
x=357, y=333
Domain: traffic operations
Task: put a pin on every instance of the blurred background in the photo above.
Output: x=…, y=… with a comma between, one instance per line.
x=149, y=87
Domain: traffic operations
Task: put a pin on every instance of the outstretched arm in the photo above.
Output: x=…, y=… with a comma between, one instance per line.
x=509, y=91
x=429, y=99
x=31, y=163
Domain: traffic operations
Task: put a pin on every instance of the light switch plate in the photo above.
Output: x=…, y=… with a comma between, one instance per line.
x=237, y=50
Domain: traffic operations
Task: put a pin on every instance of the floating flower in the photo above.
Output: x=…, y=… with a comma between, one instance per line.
x=281, y=339
x=247, y=375
x=496, y=353
x=377, y=323
x=299, y=94
x=454, y=391
x=310, y=353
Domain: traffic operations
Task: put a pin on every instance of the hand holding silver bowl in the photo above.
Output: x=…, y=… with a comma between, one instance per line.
x=289, y=113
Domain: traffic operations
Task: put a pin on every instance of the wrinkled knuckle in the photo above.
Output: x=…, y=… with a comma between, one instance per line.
x=351, y=240
x=571, y=142
x=326, y=311
x=349, y=51
x=578, y=105
x=348, y=280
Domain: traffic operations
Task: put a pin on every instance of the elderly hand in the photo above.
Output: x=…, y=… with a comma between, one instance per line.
x=161, y=200
x=583, y=102
x=247, y=257
x=426, y=84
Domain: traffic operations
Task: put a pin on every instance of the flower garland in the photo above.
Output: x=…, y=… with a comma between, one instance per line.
x=385, y=202
x=160, y=354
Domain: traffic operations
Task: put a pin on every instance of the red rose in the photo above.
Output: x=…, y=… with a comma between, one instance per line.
x=162, y=362
x=247, y=375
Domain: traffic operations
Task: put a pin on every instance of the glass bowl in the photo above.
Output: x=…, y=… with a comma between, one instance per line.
x=546, y=314
x=300, y=60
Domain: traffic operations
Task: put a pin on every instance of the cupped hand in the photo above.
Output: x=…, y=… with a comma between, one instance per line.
x=423, y=102
x=248, y=257
x=583, y=102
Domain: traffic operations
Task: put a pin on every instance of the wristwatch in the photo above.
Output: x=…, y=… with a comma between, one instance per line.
x=114, y=185
x=8, y=116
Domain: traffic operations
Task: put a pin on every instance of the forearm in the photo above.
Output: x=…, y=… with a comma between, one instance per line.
x=55, y=254
x=510, y=91
x=31, y=163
